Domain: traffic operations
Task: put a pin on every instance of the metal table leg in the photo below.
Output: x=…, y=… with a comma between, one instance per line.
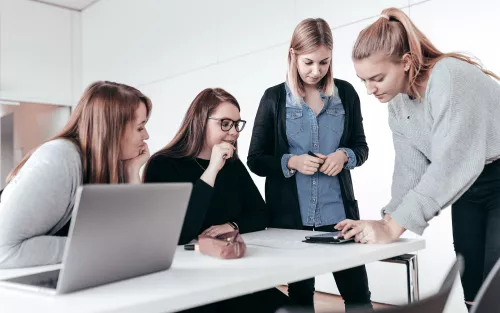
x=411, y=262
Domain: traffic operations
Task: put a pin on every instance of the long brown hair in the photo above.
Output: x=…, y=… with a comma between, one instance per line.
x=189, y=140
x=308, y=36
x=394, y=35
x=96, y=127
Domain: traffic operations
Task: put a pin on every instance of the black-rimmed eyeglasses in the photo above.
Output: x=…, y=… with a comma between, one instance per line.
x=226, y=124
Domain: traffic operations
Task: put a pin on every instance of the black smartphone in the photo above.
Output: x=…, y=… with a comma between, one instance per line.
x=332, y=237
x=312, y=154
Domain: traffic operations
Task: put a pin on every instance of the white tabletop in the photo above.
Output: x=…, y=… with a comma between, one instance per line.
x=195, y=279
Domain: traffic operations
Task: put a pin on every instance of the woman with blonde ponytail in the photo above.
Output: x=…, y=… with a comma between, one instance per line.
x=443, y=112
x=102, y=143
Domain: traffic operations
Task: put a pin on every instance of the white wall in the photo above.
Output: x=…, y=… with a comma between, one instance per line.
x=39, y=59
x=172, y=50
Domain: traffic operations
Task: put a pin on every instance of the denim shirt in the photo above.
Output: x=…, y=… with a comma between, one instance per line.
x=320, y=198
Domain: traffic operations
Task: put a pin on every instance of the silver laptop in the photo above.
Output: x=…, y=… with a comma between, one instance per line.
x=117, y=232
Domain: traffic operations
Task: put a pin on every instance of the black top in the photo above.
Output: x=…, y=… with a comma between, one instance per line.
x=234, y=197
x=269, y=143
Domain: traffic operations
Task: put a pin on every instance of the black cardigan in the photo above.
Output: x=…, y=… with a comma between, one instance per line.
x=269, y=143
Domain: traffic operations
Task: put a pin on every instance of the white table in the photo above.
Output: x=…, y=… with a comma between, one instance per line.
x=195, y=279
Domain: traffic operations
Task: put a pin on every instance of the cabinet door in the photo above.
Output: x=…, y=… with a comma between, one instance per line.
x=35, y=52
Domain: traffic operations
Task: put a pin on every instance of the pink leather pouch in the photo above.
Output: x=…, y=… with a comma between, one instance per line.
x=226, y=246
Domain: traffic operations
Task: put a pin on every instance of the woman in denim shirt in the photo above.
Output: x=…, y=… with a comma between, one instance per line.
x=311, y=111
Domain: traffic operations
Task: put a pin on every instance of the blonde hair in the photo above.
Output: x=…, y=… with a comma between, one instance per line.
x=97, y=126
x=308, y=36
x=395, y=35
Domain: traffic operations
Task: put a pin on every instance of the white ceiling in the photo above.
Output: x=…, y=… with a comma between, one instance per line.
x=77, y=5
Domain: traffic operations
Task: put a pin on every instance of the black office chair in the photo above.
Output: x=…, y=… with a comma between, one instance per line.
x=433, y=304
x=488, y=297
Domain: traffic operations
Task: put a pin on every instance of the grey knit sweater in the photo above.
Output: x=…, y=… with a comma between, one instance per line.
x=443, y=143
x=37, y=203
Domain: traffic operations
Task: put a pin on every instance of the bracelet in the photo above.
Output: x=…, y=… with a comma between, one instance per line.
x=233, y=225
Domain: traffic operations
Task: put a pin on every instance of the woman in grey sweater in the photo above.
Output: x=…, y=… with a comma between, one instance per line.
x=103, y=143
x=442, y=112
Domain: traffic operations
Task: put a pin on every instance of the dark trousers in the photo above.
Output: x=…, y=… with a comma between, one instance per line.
x=476, y=228
x=352, y=284
x=266, y=301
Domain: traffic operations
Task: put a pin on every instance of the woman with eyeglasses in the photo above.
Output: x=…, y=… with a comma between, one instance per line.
x=224, y=196
x=308, y=135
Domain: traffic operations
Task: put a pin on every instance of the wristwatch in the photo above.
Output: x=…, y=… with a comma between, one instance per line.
x=233, y=225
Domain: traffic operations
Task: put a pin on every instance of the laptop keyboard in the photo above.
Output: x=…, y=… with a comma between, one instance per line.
x=47, y=283
x=44, y=279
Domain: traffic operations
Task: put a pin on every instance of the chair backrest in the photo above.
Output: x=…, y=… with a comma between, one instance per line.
x=433, y=304
x=488, y=297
